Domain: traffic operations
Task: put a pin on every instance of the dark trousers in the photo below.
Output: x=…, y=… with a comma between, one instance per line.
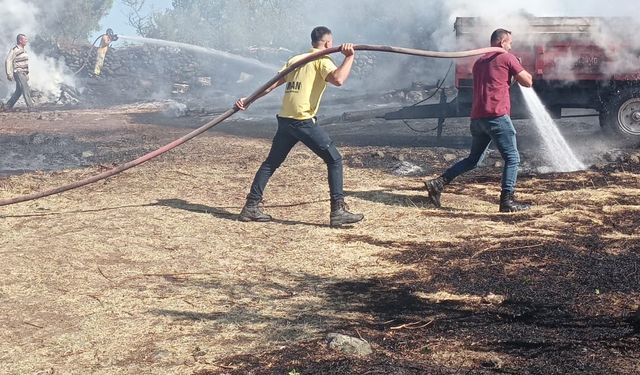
x=290, y=132
x=503, y=134
x=22, y=89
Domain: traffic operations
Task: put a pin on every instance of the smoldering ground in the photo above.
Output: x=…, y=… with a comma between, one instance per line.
x=151, y=271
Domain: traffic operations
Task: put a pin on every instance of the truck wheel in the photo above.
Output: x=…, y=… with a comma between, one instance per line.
x=622, y=114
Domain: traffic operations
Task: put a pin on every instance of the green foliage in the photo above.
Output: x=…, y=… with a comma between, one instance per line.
x=70, y=20
x=294, y=372
x=227, y=24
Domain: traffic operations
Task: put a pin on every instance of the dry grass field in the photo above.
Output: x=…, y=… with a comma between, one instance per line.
x=150, y=271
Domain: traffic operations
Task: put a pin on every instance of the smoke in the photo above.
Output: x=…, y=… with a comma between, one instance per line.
x=425, y=24
x=598, y=23
x=401, y=23
x=428, y=24
x=45, y=74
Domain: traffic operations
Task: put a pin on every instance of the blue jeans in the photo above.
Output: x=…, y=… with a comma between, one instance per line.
x=503, y=134
x=290, y=132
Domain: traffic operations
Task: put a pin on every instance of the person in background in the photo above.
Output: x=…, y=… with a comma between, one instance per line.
x=491, y=121
x=105, y=42
x=17, y=68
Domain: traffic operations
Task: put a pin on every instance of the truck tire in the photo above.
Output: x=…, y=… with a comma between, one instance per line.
x=621, y=115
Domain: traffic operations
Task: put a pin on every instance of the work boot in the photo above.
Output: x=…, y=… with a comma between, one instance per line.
x=340, y=214
x=508, y=203
x=253, y=212
x=435, y=188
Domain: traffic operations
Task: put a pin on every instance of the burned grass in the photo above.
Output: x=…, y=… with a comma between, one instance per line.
x=553, y=298
x=151, y=271
x=526, y=306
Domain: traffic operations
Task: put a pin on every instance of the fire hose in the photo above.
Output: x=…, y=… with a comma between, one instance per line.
x=247, y=101
x=113, y=37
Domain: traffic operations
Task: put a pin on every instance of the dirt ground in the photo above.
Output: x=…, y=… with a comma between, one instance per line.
x=150, y=271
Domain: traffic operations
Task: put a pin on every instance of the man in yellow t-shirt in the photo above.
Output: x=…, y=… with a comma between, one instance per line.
x=297, y=123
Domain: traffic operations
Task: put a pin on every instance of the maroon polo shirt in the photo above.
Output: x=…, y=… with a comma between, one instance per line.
x=492, y=74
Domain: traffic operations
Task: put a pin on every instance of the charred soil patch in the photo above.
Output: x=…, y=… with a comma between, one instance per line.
x=151, y=271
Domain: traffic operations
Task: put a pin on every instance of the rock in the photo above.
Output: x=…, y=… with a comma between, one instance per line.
x=87, y=154
x=635, y=159
x=161, y=354
x=614, y=155
x=378, y=154
x=349, y=345
x=197, y=352
x=450, y=157
x=415, y=96
x=406, y=169
x=49, y=371
x=175, y=109
x=494, y=299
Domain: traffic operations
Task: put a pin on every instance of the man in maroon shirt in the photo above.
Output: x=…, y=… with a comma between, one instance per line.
x=491, y=121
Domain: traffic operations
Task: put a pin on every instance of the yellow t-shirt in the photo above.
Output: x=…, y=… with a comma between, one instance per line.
x=305, y=86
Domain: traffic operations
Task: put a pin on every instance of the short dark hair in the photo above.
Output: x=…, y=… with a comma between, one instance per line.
x=19, y=36
x=317, y=34
x=498, y=35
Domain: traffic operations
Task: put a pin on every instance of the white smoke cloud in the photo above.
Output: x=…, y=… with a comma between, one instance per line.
x=429, y=24
x=45, y=73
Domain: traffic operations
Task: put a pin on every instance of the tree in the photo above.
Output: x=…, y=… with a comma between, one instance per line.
x=224, y=24
x=71, y=20
x=136, y=18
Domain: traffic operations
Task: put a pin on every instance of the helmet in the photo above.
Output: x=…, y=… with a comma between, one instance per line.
x=110, y=33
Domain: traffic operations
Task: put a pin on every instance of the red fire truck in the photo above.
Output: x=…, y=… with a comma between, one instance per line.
x=572, y=67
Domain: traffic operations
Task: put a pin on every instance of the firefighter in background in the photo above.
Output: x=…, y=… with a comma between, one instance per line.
x=106, y=40
x=17, y=67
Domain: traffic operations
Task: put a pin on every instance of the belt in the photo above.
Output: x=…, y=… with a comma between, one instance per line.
x=314, y=119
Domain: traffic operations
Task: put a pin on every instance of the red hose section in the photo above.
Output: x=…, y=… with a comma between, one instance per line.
x=250, y=99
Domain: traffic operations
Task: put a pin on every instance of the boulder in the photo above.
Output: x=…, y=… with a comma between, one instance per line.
x=349, y=345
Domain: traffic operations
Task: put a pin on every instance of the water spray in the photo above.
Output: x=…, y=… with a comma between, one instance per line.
x=209, y=51
x=559, y=153
x=248, y=100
